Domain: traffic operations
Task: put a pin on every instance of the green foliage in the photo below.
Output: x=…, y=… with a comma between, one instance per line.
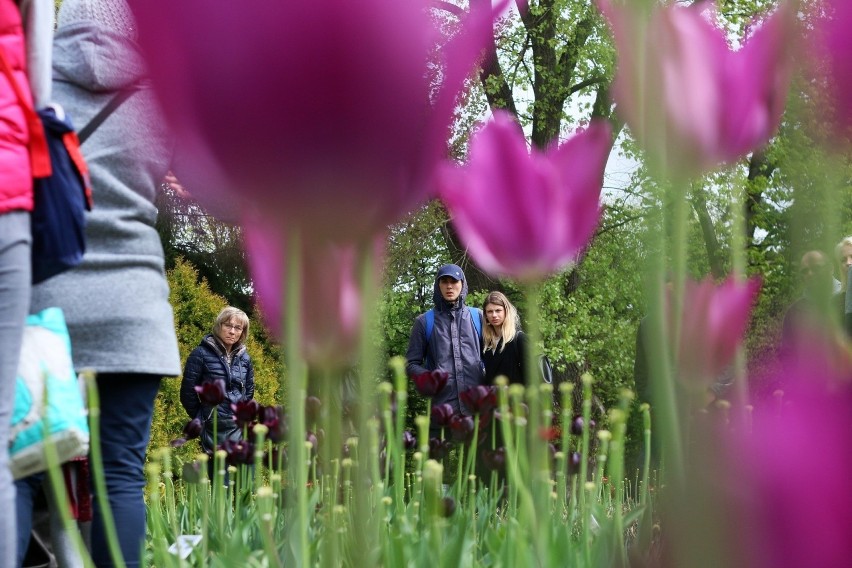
x=195, y=308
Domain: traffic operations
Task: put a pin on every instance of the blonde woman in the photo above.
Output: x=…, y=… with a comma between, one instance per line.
x=221, y=355
x=505, y=345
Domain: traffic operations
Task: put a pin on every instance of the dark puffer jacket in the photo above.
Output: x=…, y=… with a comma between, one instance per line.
x=208, y=362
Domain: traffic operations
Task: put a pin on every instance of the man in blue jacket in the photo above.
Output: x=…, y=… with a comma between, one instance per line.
x=448, y=338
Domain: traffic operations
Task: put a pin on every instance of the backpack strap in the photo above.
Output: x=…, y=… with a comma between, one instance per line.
x=476, y=316
x=108, y=109
x=430, y=323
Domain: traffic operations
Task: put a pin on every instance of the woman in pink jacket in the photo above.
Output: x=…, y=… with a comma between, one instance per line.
x=25, y=42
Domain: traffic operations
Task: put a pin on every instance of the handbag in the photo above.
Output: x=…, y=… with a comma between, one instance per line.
x=48, y=399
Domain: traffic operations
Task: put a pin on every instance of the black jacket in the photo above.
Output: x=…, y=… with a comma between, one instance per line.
x=510, y=362
x=208, y=362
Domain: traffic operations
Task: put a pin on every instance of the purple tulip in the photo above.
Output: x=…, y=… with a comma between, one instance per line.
x=787, y=483
x=275, y=420
x=438, y=448
x=835, y=45
x=575, y=460
x=239, y=452
x=211, y=393
x=430, y=383
x=547, y=202
x=461, y=429
x=330, y=291
x=495, y=460
x=191, y=430
x=314, y=440
x=691, y=101
x=409, y=441
x=577, y=425
x=480, y=399
x=245, y=412
x=313, y=405
x=322, y=113
x=714, y=321
x=441, y=414
x=448, y=507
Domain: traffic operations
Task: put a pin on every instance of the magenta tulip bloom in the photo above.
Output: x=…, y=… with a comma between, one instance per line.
x=330, y=299
x=691, y=101
x=789, y=481
x=713, y=323
x=526, y=215
x=320, y=111
x=836, y=48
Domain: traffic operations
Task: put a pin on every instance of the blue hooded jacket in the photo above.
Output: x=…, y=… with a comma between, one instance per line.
x=454, y=345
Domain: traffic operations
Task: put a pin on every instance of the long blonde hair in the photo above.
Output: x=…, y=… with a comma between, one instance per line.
x=511, y=323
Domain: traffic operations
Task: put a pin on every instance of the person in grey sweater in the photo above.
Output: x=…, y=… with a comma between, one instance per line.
x=116, y=301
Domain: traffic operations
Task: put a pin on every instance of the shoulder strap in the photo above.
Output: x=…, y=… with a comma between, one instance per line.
x=430, y=323
x=476, y=316
x=108, y=109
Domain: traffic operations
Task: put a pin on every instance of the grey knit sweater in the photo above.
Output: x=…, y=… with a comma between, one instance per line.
x=116, y=301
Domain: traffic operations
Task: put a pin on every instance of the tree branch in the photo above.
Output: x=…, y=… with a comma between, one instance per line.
x=448, y=7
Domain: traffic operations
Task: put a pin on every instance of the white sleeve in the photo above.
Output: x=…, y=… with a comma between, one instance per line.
x=38, y=18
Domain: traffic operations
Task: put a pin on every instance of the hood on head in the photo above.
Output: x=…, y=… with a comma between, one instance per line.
x=456, y=272
x=94, y=46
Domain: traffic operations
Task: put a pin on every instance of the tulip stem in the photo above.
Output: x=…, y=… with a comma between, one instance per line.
x=296, y=396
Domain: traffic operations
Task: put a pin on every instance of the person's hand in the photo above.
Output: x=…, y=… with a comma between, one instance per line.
x=176, y=186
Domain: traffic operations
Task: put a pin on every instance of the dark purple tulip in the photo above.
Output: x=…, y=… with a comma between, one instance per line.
x=239, y=452
x=574, y=461
x=441, y=414
x=275, y=420
x=192, y=430
x=409, y=442
x=479, y=399
x=461, y=429
x=577, y=425
x=430, y=383
x=312, y=438
x=211, y=393
x=495, y=460
x=448, y=507
x=313, y=405
x=438, y=448
x=245, y=412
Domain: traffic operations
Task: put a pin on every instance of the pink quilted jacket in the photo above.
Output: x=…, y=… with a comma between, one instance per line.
x=16, y=180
